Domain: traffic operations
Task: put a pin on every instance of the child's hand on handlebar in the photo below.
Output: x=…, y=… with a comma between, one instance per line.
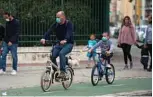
x=42, y=41
x=108, y=53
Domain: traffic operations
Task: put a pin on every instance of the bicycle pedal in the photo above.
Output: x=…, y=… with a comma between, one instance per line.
x=65, y=79
x=57, y=79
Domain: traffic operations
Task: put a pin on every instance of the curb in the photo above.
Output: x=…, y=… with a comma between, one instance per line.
x=134, y=93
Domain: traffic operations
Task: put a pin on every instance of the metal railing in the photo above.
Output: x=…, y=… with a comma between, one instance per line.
x=36, y=16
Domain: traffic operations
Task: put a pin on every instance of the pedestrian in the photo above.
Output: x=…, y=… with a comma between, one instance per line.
x=65, y=40
x=92, y=55
x=148, y=40
x=10, y=43
x=126, y=38
x=144, y=56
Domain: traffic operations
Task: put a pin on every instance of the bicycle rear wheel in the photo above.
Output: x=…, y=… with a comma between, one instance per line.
x=46, y=81
x=110, y=74
x=95, y=76
x=69, y=78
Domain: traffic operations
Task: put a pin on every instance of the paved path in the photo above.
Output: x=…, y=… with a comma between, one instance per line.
x=30, y=77
x=86, y=89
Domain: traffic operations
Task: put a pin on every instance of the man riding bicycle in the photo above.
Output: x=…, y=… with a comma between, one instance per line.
x=64, y=34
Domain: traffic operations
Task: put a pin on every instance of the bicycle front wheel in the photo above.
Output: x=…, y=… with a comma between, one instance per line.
x=95, y=76
x=110, y=74
x=69, y=78
x=46, y=81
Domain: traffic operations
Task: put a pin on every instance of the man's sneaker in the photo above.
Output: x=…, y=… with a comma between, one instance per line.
x=2, y=72
x=62, y=75
x=13, y=72
x=108, y=66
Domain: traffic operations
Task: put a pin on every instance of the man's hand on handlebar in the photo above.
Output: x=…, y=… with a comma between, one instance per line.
x=46, y=42
x=43, y=41
x=63, y=42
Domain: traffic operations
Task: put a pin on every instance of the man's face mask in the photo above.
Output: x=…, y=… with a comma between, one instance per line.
x=104, y=39
x=6, y=17
x=7, y=20
x=58, y=20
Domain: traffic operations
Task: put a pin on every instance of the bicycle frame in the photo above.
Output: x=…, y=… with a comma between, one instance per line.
x=101, y=66
x=50, y=64
x=51, y=75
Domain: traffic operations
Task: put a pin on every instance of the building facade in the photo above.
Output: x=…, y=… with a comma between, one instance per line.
x=119, y=9
x=146, y=10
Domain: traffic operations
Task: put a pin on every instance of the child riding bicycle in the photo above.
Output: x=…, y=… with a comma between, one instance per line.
x=106, y=48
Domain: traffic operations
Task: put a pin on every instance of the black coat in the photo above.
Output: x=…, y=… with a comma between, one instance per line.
x=12, y=31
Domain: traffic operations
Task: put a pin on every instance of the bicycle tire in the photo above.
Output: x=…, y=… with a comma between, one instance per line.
x=72, y=70
x=71, y=74
x=107, y=74
x=42, y=81
x=92, y=75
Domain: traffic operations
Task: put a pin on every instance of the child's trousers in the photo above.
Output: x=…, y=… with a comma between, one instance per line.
x=144, y=61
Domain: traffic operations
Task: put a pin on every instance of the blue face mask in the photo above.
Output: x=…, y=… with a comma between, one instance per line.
x=58, y=20
x=104, y=39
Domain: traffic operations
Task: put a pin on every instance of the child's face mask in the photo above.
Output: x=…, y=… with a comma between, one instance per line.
x=104, y=39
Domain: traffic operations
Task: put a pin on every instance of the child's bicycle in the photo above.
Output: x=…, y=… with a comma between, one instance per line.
x=49, y=76
x=100, y=69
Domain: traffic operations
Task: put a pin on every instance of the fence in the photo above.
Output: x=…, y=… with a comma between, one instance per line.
x=36, y=16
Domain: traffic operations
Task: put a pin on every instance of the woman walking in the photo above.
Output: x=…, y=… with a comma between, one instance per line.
x=127, y=37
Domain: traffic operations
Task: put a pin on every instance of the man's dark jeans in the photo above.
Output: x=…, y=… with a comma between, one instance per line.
x=6, y=49
x=61, y=51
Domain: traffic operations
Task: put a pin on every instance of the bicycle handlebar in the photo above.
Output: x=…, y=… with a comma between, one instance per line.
x=50, y=42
